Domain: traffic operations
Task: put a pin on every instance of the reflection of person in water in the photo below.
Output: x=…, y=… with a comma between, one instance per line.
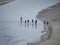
x=21, y=19
x=44, y=27
x=28, y=23
x=35, y=23
x=25, y=23
x=32, y=22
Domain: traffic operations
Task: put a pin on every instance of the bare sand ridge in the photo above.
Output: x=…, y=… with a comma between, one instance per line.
x=52, y=15
x=55, y=37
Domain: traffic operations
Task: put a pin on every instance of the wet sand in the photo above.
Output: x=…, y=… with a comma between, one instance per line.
x=48, y=33
x=48, y=29
x=55, y=37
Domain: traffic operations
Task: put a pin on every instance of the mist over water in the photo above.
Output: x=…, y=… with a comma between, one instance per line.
x=15, y=32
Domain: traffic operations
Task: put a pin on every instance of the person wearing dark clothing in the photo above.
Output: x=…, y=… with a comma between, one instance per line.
x=28, y=21
x=32, y=20
x=25, y=21
x=47, y=23
x=21, y=19
x=35, y=21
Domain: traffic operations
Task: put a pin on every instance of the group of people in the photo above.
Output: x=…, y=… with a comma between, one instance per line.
x=27, y=21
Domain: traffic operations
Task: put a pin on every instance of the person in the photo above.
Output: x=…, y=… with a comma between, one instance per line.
x=45, y=26
x=28, y=21
x=32, y=20
x=25, y=21
x=47, y=22
x=35, y=21
x=48, y=29
x=21, y=19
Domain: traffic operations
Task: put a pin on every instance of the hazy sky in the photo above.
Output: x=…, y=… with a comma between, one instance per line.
x=26, y=8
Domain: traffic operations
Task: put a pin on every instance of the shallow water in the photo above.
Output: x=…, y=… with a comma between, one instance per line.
x=15, y=33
